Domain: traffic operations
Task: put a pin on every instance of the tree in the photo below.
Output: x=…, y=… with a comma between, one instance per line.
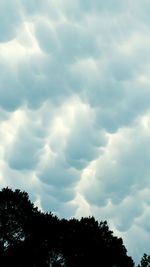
x=15, y=209
x=145, y=261
x=32, y=238
x=28, y=237
x=44, y=240
x=89, y=243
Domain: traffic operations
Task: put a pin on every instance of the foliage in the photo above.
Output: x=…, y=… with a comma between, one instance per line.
x=145, y=261
x=32, y=238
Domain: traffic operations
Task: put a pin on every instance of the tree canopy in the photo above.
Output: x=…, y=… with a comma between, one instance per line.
x=32, y=238
x=145, y=261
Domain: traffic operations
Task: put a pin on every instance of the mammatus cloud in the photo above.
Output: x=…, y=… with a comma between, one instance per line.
x=75, y=111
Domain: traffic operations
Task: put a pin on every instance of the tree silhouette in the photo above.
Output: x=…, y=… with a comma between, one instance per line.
x=89, y=243
x=32, y=238
x=15, y=211
x=145, y=261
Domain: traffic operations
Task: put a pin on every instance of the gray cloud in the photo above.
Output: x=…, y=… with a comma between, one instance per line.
x=74, y=109
x=121, y=167
x=25, y=148
x=9, y=12
x=84, y=140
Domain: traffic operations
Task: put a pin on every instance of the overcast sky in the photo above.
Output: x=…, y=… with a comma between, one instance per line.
x=75, y=110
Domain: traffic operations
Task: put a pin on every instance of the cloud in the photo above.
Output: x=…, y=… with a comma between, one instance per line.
x=9, y=12
x=121, y=167
x=119, y=179
x=74, y=109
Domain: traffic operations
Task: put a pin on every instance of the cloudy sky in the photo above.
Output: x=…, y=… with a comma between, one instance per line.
x=75, y=109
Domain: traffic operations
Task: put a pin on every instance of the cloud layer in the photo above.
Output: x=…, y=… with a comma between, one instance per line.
x=75, y=110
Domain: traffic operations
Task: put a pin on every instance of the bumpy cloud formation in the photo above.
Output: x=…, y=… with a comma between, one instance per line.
x=75, y=111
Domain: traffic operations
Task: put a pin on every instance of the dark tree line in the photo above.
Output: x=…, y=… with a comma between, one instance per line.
x=32, y=238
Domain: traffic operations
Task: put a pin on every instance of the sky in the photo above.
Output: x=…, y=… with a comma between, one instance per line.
x=75, y=110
